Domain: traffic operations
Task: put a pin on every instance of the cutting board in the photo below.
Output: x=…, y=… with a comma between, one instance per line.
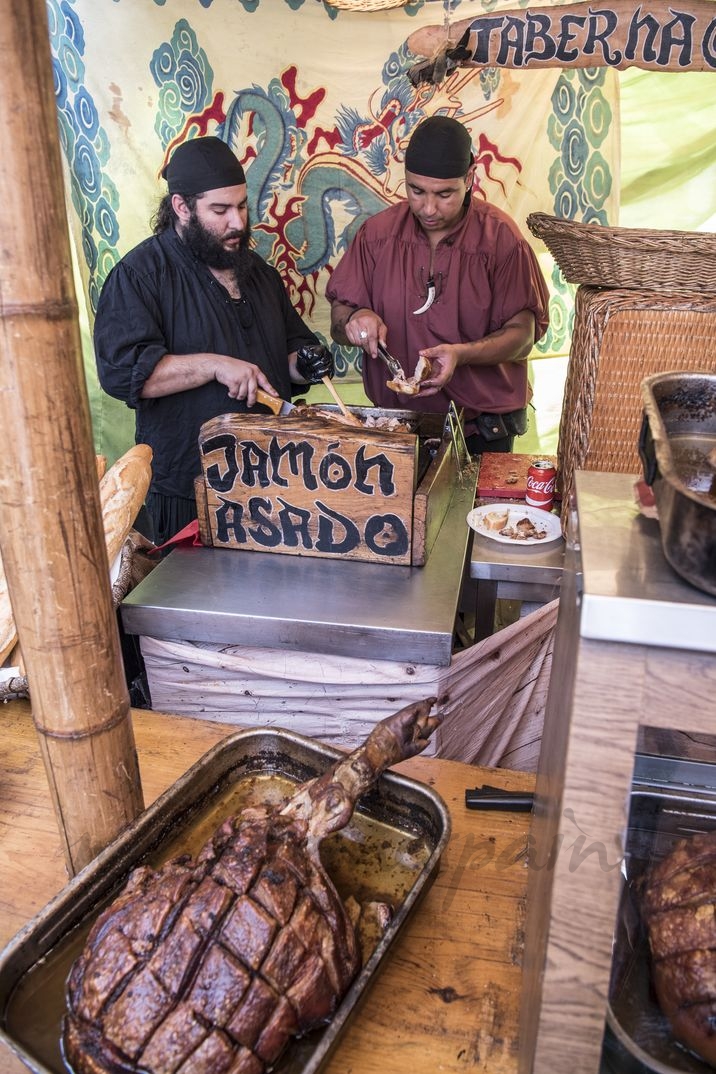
x=503, y=475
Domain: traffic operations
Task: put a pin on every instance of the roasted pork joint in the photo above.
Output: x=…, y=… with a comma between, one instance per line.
x=680, y=915
x=210, y=965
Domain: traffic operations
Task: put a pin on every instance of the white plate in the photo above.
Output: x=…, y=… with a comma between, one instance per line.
x=543, y=519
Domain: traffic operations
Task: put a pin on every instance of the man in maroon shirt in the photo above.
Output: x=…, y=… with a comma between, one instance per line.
x=450, y=277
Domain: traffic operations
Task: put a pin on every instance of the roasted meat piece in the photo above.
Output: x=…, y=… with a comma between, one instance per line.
x=524, y=530
x=210, y=965
x=679, y=906
x=411, y=385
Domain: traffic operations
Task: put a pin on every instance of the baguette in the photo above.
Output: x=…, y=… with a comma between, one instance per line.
x=8, y=634
x=495, y=520
x=122, y=491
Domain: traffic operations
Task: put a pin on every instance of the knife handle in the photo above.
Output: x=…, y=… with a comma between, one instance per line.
x=487, y=797
x=273, y=402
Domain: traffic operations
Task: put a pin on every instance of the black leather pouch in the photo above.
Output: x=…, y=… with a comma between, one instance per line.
x=516, y=422
x=491, y=426
x=496, y=426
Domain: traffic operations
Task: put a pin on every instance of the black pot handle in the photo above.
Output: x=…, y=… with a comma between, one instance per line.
x=646, y=452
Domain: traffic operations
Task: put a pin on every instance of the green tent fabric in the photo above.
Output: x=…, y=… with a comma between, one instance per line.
x=667, y=181
x=668, y=169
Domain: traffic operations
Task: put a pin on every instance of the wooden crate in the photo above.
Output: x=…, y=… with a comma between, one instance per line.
x=303, y=485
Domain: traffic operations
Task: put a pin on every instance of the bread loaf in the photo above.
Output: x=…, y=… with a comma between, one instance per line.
x=122, y=491
x=8, y=634
x=495, y=520
x=680, y=916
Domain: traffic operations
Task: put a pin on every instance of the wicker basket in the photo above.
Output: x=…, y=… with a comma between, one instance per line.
x=629, y=257
x=619, y=338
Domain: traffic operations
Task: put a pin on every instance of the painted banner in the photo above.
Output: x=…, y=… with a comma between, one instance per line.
x=656, y=36
x=319, y=108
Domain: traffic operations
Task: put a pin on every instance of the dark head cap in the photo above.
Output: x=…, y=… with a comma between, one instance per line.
x=202, y=164
x=440, y=148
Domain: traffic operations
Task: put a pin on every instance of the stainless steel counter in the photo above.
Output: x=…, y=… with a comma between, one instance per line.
x=345, y=607
x=529, y=564
x=512, y=572
x=630, y=593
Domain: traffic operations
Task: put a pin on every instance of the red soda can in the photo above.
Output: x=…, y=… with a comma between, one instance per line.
x=541, y=478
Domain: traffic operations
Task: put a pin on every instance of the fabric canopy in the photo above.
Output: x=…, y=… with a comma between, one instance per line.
x=318, y=104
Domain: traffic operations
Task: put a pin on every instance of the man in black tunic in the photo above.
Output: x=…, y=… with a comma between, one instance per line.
x=190, y=322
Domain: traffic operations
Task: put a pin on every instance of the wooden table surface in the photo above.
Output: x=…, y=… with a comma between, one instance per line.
x=447, y=998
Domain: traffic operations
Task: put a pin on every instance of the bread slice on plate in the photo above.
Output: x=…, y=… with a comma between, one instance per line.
x=495, y=520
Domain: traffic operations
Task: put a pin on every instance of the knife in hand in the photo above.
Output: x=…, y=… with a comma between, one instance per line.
x=279, y=407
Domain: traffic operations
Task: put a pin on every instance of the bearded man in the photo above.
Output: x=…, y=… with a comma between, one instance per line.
x=192, y=321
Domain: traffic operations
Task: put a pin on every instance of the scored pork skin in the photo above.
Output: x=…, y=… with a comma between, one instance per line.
x=209, y=966
x=680, y=915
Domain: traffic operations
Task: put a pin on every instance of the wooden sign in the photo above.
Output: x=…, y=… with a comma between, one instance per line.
x=307, y=486
x=655, y=36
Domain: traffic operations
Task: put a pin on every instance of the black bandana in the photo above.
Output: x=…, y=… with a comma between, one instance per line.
x=202, y=164
x=440, y=148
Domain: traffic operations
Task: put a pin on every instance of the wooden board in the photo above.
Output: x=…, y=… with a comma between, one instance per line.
x=455, y=967
x=504, y=475
x=307, y=486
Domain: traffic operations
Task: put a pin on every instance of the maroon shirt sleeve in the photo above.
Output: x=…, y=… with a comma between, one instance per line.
x=351, y=277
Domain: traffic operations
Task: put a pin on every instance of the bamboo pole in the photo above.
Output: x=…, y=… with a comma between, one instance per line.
x=51, y=534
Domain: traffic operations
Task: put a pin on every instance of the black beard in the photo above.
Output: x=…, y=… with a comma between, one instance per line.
x=211, y=251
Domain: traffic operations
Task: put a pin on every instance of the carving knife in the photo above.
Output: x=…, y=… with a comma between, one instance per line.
x=279, y=407
x=282, y=408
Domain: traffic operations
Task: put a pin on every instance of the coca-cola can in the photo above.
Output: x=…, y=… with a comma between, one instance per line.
x=541, y=478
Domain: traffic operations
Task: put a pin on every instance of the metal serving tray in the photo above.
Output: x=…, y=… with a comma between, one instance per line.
x=390, y=852
x=677, y=436
x=431, y=429
x=639, y=1039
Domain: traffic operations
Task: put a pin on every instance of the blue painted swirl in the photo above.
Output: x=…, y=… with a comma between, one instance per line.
x=85, y=144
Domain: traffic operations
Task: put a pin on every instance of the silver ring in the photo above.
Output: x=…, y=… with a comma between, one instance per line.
x=364, y=335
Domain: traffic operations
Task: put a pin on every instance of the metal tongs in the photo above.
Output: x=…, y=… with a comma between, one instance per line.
x=453, y=428
x=392, y=363
x=487, y=797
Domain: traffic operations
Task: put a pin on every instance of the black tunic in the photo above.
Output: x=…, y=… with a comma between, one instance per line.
x=160, y=300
